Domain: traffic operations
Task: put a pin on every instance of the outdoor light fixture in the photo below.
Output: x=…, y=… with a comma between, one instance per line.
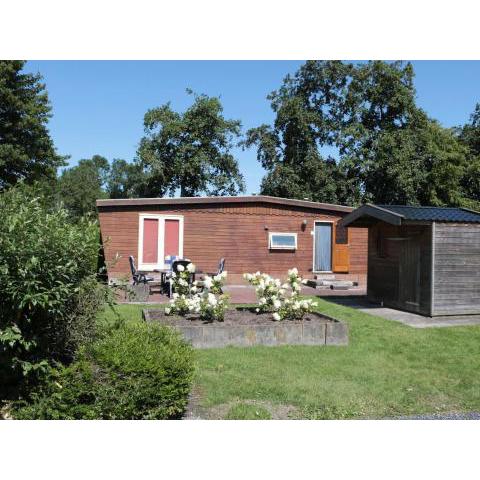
x=265, y=227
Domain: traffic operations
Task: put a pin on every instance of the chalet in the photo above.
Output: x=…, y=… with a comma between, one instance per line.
x=422, y=259
x=252, y=233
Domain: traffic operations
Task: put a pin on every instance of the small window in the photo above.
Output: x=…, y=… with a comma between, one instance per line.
x=284, y=241
x=341, y=235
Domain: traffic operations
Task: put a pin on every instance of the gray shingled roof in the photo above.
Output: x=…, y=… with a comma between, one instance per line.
x=434, y=214
x=398, y=214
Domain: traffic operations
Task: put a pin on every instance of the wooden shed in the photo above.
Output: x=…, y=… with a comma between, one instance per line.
x=422, y=259
x=251, y=232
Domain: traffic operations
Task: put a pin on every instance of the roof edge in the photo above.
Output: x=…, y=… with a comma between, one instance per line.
x=212, y=200
x=374, y=211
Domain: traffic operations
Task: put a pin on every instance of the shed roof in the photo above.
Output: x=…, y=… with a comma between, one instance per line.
x=222, y=200
x=400, y=214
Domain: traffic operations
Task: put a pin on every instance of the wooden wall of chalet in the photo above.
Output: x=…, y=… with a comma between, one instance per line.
x=234, y=231
x=457, y=269
x=399, y=266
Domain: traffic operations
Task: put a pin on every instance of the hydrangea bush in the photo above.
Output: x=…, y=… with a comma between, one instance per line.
x=181, y=280
x=280, y=299
x=207, y=302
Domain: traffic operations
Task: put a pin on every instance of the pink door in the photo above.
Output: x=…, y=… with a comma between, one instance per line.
x=150, y=240
x=172, y=237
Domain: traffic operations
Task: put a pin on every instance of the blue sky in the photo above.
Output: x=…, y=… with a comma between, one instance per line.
x=98, y=106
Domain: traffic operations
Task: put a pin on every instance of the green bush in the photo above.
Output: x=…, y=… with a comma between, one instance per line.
x=139, y=371
x=49, y=292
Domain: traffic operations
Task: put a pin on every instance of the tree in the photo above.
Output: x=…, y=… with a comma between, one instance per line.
x=125, y=179
x=469, y=136
x=26, y=149
x=80, y=186
x=388, y=150
x=189, y=151
x=289, y=153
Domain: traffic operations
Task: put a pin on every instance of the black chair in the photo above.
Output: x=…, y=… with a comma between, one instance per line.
x=138, y=277
x=221, y=268
x=184, y=264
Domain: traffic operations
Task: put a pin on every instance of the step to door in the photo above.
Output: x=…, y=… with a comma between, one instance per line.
x=324, y=276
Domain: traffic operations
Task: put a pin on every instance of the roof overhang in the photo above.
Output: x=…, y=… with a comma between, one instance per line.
x=132, y=202
x=368, y=214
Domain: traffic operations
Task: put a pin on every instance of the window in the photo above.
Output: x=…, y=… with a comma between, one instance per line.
x=159, y=236
x=341, y=235
x=283, y=241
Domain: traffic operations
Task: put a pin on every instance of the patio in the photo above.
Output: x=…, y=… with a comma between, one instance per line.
x=240, y=294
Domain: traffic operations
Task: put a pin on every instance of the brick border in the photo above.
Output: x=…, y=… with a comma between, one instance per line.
x=330, y=332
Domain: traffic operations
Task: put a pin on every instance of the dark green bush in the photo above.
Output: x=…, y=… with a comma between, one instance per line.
x=49, y=292
x=142, y=371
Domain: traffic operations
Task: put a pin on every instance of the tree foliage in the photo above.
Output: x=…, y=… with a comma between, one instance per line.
x=190, y=151
x=469, y=136
x=48, y=267
x=387, y=149
x=26, y=149
x=80, y=186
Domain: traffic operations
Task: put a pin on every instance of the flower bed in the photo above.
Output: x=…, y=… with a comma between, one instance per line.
x=245, y=327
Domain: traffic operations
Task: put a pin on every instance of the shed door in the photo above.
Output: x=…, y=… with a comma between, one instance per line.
x=322, y=261
x=409, y=273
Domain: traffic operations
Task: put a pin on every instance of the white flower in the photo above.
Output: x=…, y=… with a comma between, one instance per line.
x=281, y=291
x=276, y=316
x=191, y=267
x=304, y=281
x=180, y=268
x=262, y=301
x=285, y=286
x=167, y=311
x=257, y=310
x=194, y=289
x=212, y=299
x=175, y=296
x=293, y=271
x=208, y=282
x=217, y=278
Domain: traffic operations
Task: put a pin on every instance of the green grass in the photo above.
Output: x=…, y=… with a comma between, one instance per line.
x=388, y=369
x=247, y=411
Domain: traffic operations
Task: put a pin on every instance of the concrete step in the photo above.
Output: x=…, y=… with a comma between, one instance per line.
x=335, y=283
x=324, y=276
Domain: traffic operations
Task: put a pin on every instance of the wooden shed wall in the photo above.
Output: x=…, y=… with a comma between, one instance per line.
x=457, y=269
x=236, y=232
x=390, y=276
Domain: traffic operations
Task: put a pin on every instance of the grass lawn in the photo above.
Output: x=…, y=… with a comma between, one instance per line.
x=388, y=369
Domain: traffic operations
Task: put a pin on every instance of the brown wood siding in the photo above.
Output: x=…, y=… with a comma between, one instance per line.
x=457, y=269
x=386, y=266
x=236, y=232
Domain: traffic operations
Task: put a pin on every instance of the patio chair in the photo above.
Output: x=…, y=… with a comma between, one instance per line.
x=138, y=276
x=221, y=267
x=175, y=264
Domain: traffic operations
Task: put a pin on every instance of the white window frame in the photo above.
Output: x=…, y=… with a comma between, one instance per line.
x=161, y=240
x=333, y=222
x=281, y=234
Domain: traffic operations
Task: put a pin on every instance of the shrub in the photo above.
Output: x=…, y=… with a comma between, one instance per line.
x=181, y=280
x=208, y=302
x=269, y=290
x=141, y=371
x=47, y=281
x=272, y=295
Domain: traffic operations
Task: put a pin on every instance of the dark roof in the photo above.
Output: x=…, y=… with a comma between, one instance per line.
x=222, y=200
x=434, y=214
x=399, y=214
